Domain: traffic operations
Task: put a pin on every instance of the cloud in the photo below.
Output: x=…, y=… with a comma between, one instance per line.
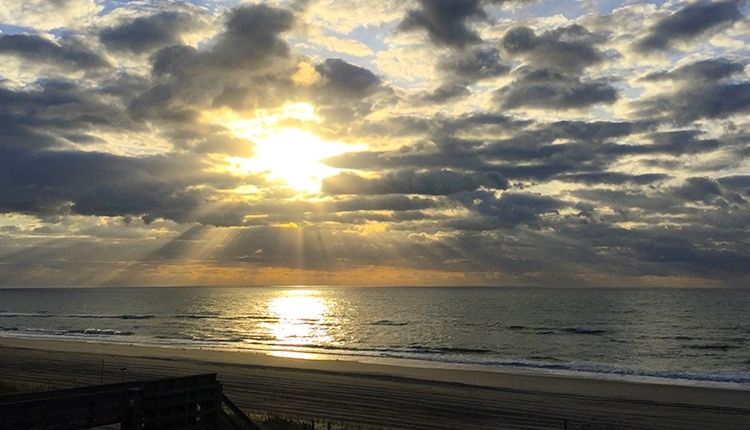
x=738, y=182
x=615, y=178
x=686, y=24
x=445, y=21
x=53, y=113
x=383, y=202
x=572, y=48
x=693, y=259
x=701, y=90
x=530, y=152
x=675, y=142
x=549, y=89
x=48, y=14
x=251, y=38
x=145, y=33
x=713, y=69
x=345, y=79
x=551, y=75
x=430, y=182
x=477, y=63
x=347, y=92
x=91, y=183
x=33, y=48
x=247, y=66
x=699, y=189
x=253, y=34
x=444, y=93
x=509, y=210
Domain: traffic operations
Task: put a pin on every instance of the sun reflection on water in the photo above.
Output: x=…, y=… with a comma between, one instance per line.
x=300, y=318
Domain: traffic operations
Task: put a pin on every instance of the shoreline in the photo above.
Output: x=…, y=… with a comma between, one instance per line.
x=519, y=367
x=659, y=390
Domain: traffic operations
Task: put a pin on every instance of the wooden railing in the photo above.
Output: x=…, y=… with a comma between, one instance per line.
x=233, y=418
x=195, y=402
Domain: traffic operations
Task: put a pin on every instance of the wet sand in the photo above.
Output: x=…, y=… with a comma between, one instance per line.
x=388, y=395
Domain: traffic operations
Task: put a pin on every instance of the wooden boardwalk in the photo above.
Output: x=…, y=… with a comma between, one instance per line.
x=187, y=402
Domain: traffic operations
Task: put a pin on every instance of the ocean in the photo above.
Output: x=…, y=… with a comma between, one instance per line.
x=690, y=336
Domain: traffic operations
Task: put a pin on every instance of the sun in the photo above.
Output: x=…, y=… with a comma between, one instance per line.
x=292, y=154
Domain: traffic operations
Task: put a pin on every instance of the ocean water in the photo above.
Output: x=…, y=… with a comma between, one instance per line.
x=685, y=335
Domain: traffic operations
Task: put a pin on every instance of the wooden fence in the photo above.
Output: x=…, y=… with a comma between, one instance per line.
x=191, y=402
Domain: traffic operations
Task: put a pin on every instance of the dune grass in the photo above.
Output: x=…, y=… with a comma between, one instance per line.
x=276, y=422
x=8, y=388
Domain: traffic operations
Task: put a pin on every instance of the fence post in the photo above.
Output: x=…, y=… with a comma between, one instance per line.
x=132, y=416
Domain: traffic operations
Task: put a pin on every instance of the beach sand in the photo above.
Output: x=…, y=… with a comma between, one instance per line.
x=387, y=395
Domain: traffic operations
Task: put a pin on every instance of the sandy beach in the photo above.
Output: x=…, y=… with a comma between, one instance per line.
x=386, y=395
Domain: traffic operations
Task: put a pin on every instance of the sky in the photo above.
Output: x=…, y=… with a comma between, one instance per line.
x=390, y=142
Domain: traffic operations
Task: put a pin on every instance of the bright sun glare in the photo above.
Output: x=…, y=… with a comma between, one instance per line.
x=299, y=315
x=288, y=153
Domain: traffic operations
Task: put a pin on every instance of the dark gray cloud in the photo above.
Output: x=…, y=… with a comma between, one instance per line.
x=574, y=151
x=415, y=125
x=692, y=258
x=252, y=35
x=250, y=67
x=550, y=89
x=699, y=189
x=445, y=21
x=529, y=153
x=146, y=33
x=615, y=178
x=445, y=92
x=551, y=75
x=383, y=202
x=69, y=54
x=587, y=131
x=737, y=182
x=431, y=182
x=477, y=63
x=703, y=89
x=54, y=113
x=251, y=38
x=506, y=211
x=345, y=79
x=347, y=92
x=571, y=48
x=246, y=67
x=93, y=183
x=713, y=69
x=693, y=20
x=44, y=171
x=174, y=60
x=675, y=142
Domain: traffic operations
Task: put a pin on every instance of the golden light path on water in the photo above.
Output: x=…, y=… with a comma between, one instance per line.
x=300, y=315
